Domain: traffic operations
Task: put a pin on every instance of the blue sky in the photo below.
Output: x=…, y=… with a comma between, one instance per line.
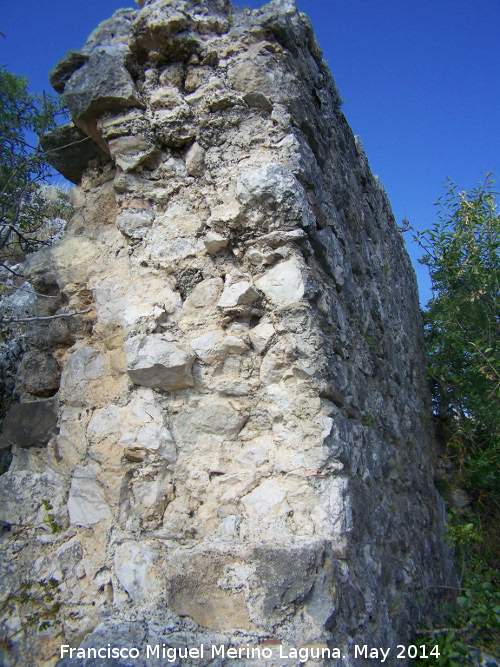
x=420, y=80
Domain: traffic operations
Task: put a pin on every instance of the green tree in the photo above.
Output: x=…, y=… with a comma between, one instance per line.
x=23, y=165
x=462, y=333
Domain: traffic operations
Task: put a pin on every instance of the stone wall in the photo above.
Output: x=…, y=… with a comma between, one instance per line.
x=237, y=448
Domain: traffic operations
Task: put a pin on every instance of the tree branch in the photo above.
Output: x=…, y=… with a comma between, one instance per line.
x=46, y=317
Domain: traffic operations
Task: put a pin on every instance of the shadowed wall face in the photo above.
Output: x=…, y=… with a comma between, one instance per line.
x=243, y=434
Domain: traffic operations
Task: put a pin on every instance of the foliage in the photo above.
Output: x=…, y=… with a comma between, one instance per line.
x=462, y=333
x=475, y=618
x=23, y=166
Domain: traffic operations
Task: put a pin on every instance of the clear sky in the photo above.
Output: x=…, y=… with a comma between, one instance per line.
x=420, y=80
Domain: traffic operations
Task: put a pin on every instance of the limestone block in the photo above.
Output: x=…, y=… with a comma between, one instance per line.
x=173, y=167
x=252, y=76
x=261, y=335
x=212, y=417
x=72, y=259
x=231, y=345
x=284, y=577
x=130, y=151
x=273, y=198
x=21, y=303
x=172, y=75
x=154, y=29
x=196, y=589
x=283, y=284
x=167, y=252
x=102, y=83
x=31, y=424
x=65, y=68
x=204, y=295
x=195, y=159
x=258, y=100
x=255, y=453
x=332, y=515
x=238, y=294
x=207, y=24
x=150, y=437
x=278, y=362
x=212, y=346
x=71, y=442
x=224, y=216
x=267, y=501
x=132, y=299
x=194, y=78
x=82, y=367
x=86, y=502
x=134, y=224
x=61, y=564
x=135, y=568
x=22, y=492
x=69, y=555
x=206, y=345
x=214, y=242
x=167, y=97
x=151, y=491
x=153, y=361
x=139, y=426
x=76, y=196
x=212, y=96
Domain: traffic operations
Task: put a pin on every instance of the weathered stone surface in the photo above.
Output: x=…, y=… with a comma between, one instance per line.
x=261, y=335
x=231, y=345
x=283, y=284
x=102, y=84
x=274, y=199
x=204, y=295
x=213, y=417
x=86, y=503
x=195, y=590
x=214, y=242
x=154, y=361
x=138, y=426
x=22, y=493
x=31, y=424
x=65, y=69
x=82, y=367
x=238, y=293
x=38, y=374
x=267, y=501
x=195, y=159
x=57, y=267
x=155, y=27
x=133, y=300
x=134, y=567
x=206, y=345
x=129, y=152
x=134, y=223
